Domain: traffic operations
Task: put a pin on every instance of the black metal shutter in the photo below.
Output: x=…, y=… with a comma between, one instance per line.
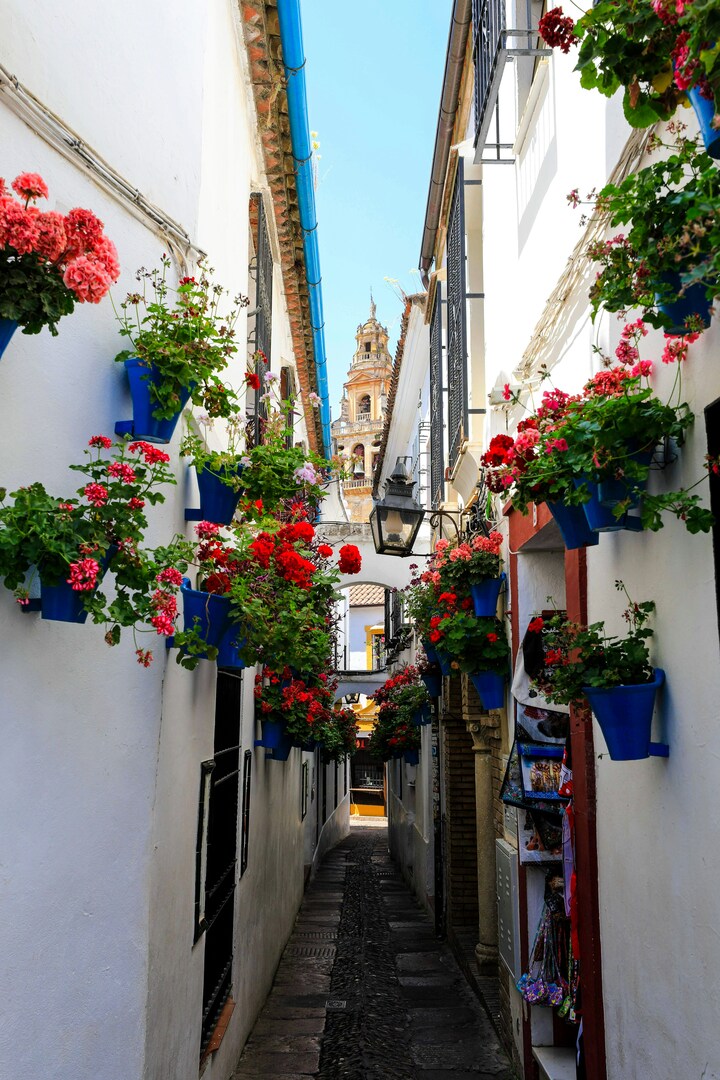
x=262, y=271
x=456, y=328
x=488, y=26
x=437, y=434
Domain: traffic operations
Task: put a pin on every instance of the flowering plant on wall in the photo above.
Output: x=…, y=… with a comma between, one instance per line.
x=671, y=240
x=655, y=50
x=420, y=597
x=392, y=736
x=405, y=694
x=72, y=542
x=578, y=656
x=183, y=337
x=280, y=588
x=607, y=432
x=305, y=708
x=468, y=563
x=472, y=644
x=49, y=261
x=277, y=469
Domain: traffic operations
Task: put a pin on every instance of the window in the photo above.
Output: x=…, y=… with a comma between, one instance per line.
x=437, y=433
x=217, y=852
x=367, y=346
x=359, y=468
x=456, y=328
x=288, y=392
x=364, y=407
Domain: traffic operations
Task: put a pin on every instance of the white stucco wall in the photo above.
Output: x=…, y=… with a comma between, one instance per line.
x=655, y=818
x=101, y=757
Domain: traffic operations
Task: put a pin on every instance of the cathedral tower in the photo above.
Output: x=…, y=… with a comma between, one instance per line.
x=357, y=433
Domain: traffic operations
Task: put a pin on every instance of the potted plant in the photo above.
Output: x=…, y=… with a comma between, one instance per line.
x=591, y=452
x=392, y=737
x=613, y=673
x=180, y=341
x=476, y=646
x=218, y=472
x=48, y=261
x=667, y=261
x=408, y=696
x=660, y=53
x=430, y=675
x=420, y=602
x=69, y=543
x=277, y=470
x=472, y=567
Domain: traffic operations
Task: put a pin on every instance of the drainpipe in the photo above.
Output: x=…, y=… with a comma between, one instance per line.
x=454, y=61
x=294, y=62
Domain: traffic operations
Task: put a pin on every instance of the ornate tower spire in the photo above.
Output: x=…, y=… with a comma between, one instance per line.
x=373, y=309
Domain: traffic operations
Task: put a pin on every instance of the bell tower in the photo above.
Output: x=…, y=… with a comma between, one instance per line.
x=358, y=432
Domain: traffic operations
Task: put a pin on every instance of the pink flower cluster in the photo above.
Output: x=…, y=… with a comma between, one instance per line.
x=74, y=245
x=676, y=348
x=120, y=470
x=164, y=604
x=83, y=575
x=669, y=11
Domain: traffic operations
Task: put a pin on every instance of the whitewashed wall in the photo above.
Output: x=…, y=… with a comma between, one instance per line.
x=658, y=879
x=102, y=758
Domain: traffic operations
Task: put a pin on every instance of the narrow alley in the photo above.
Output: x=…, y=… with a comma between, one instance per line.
x=365, y=990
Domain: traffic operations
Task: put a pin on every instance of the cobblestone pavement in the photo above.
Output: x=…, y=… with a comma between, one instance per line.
x=364, y=990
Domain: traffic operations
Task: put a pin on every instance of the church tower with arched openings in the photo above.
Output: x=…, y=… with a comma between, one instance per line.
x=357, y=433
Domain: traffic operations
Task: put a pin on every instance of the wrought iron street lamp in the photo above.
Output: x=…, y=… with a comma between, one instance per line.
x=395, y=519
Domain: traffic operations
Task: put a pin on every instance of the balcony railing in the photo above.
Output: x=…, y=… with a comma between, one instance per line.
x=364, y=481
x=346, y=427
x=493, y=45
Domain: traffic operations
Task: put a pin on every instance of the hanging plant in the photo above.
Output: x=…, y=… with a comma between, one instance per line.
x=181, y=339
x=48, y=261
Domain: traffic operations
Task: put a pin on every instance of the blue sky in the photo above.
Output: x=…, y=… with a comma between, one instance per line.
x=374, y=73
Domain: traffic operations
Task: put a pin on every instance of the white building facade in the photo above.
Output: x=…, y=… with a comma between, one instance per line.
x=104, y=894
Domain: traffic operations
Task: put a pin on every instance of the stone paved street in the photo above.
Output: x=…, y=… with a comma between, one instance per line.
x=364, y=990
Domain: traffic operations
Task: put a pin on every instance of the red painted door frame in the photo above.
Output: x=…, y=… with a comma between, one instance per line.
x=522, y=529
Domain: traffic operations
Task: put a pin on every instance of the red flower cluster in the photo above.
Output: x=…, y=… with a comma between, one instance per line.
x=252, y=380
x=83, y=575
x=497, y=451
x=151, y=454
x=278, y=552
x=556, y=30
x=350, y=560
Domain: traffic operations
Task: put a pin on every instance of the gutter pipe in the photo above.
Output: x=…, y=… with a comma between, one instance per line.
x=454, y=61
x=294, y=63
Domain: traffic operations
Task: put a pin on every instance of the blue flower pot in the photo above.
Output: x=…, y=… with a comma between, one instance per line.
x=573, y=526
x=485, y=596
x=7, y=329
x=218, y=500
x=433, y=683
x=624, y=714
x=444, y=663
x=273, y=732
x=693, y=301
x=704, y=110
x=490, y=685
x=412, y=757
x=208, y=613
x=430, y=651
x=281, y=752
x=62, y=603
x=423, y=716
x=599, y=515
x=229, y=650
x=612, y=492
x=141, y=377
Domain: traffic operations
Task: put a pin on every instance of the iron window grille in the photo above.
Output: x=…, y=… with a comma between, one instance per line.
x=437, y=433
x=219, y=809
x=493, y=45
x=456, y=323
x=260, y=336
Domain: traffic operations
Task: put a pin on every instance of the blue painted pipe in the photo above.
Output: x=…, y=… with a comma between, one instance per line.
x=294, y=61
